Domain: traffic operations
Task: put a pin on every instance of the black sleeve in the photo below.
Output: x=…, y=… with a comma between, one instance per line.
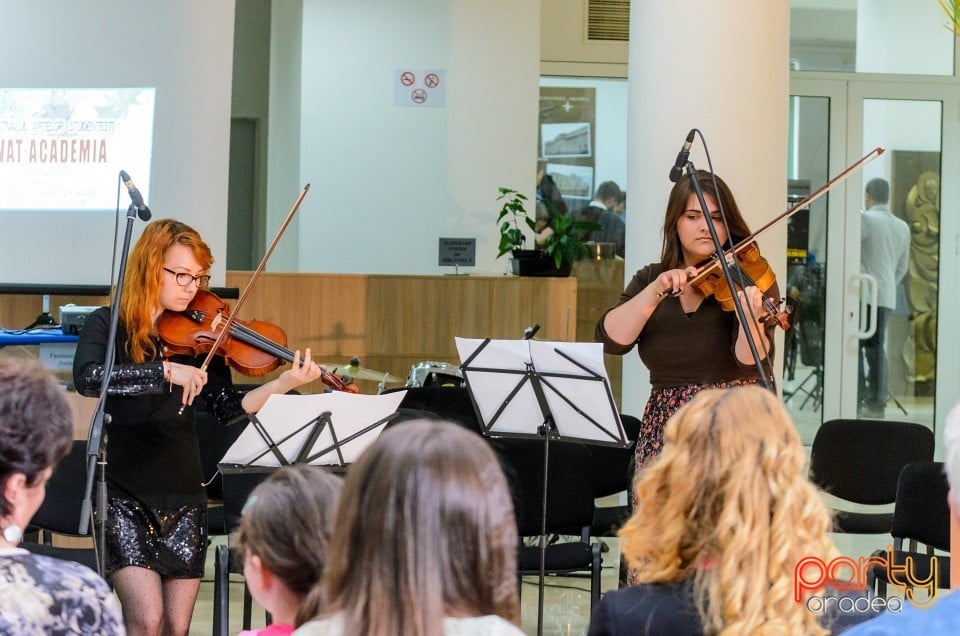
x=223, y=400
x=126, y=379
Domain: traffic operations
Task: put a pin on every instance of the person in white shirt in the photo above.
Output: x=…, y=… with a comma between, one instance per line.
x=884, y=254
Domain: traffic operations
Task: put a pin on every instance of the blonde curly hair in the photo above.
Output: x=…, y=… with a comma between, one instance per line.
x=728, y=505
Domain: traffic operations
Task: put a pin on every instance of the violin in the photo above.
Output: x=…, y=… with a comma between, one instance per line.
x=748, y=268
x=253, y=347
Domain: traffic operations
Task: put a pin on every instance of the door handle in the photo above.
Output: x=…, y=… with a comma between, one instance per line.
x=870, y=283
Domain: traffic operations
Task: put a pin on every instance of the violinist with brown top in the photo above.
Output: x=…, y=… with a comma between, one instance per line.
x=156, y=530
x=687, y=341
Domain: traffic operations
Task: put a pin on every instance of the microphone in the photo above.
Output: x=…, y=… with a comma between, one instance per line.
x=530, y=332
x=677, y=170
x=142, y=210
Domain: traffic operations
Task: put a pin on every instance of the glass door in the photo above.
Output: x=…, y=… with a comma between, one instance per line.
x=863, y=274
x=814, y=252
x=898, y=236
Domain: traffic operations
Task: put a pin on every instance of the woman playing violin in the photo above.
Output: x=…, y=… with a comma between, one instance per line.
x=687, y=342
x=156, y=531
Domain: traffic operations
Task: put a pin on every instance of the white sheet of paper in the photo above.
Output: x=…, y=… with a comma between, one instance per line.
x=500, y=367
x=282, y=415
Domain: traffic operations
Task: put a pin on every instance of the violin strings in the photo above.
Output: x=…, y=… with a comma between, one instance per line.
x=251, y=337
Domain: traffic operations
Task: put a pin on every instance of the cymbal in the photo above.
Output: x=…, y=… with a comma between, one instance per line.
x=356, y=372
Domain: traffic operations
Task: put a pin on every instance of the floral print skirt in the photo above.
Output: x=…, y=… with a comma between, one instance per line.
x=661, y=406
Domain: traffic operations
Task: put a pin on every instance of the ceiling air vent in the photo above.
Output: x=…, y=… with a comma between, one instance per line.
x=608, y=20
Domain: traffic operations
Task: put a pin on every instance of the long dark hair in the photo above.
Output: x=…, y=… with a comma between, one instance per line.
x=672, y=255
x=425, y=529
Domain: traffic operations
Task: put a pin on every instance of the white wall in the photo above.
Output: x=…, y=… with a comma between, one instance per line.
x=181, y=47
x=388, y=181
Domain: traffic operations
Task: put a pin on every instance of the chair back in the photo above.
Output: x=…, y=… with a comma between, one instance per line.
x=449, y=403
x=60, y=510
x=861, y=460
x=921, y=512
x=613, y=467
x=570, y=485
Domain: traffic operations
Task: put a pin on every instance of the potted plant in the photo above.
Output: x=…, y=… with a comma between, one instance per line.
x=560, y=249
x=564, y=243
x=514, y=211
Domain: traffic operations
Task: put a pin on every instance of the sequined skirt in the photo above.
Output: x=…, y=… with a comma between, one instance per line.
x=169, y=541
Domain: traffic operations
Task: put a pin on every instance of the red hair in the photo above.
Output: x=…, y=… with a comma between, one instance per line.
x=141, y=285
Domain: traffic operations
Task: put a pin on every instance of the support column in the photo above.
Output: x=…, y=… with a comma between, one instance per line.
x=722, y=67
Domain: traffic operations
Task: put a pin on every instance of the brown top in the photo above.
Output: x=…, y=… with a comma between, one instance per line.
x=679, y=348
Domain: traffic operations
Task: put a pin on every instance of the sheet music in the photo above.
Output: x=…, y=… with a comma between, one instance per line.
x=582, y=405
x=283, y=415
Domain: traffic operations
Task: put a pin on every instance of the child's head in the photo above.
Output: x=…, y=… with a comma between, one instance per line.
x=285, y=528
x=426, y=528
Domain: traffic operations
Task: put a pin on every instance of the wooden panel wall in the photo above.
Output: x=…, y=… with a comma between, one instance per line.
x=394, y=322
x=599, y=285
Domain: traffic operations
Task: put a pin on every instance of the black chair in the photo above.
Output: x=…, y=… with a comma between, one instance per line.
x=920, y=515
x=447, y=402
x=236, y=489
x=612, y=474
x=60, y=511
x=570, y=492
x=860, y=461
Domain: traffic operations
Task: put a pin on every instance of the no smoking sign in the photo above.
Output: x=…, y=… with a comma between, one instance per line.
x=420, y=87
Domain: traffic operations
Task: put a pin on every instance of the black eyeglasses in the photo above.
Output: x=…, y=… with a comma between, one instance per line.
x=184, y=279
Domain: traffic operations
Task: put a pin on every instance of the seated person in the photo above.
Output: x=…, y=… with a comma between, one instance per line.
x=283, y=537
x=723, y=518
x=424, y=542
x=601, y=210
x=38, y=594
x=543, y=226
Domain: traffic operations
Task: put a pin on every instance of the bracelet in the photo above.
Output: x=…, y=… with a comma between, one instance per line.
x=168, y=373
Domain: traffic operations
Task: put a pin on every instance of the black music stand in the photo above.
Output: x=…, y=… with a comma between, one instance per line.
x=302, y=429
x=531, y=389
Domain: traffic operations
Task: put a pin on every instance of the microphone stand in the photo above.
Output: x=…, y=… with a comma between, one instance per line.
x=737, y=302
x=96, y=437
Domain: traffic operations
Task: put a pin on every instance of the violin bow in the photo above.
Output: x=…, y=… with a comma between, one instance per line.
x=822, y=190
x=228, y=325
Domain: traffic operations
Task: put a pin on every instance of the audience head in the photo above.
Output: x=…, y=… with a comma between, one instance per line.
x=549, y=193
x=608, y=193
x=621, y=207
x=672, y=254
x=285, y=528
x=36, y=432
x=728, y=505
x=877, y=192
x=426, y=530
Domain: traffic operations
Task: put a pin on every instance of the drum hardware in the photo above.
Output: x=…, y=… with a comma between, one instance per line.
x=357, y=372
x=430, y=373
